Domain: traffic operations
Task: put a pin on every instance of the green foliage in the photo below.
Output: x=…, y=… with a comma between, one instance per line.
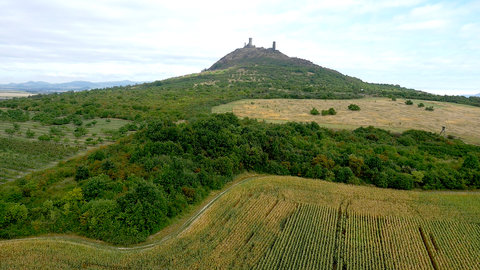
x=330, y=111
x=429, y=108
x=420, y=105
x=44, y=137
x=409, y=102
x=80, y=131
x=314, y=111
x=82, y=172
x=29, y=133
x=354, y=107
x=10, y=131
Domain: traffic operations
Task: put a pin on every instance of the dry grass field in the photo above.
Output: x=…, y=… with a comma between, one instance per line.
x=273, y=222
x=460, y=120
x=6, y=94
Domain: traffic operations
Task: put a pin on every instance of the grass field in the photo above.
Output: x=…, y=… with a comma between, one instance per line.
x=460, y=120
x=273, y=222
x=21, y=154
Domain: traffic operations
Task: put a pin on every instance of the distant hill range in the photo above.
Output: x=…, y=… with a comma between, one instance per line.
x=45, y=87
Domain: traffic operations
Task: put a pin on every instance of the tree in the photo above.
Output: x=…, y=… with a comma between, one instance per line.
x=314, y=111
x=82, y=173
x=409, y=102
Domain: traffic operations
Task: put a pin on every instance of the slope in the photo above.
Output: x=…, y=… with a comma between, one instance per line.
x=288, y=222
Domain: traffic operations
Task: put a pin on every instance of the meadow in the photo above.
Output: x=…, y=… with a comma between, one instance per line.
x=461, y=121
x=277, y=222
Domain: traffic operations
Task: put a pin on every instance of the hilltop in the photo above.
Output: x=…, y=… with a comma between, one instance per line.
x=258, y=56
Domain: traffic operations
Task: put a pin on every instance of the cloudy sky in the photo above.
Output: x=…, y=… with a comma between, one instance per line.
x=427, y=45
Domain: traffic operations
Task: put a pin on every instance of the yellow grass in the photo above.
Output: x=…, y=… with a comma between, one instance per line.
x=13, y=94
x=273, y=222
x=460, y=120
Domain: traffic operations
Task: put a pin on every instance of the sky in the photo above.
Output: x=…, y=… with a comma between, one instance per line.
x=426, y=45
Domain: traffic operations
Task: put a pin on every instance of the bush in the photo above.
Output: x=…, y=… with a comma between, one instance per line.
x=30, y=134
x=330, y=111
x=82, y=173
x=80, y=131
x=44, y=137
x=409, y=102
x=429, y=108
x=314, y=111
x=394, y=99
x=420, y=105
x=354, y=107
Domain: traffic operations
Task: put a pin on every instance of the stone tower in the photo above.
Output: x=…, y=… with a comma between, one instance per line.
x=274, y=46
x=249, y=42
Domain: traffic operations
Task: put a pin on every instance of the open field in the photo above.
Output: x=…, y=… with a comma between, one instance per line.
x=21, y=154
x=460, y=120
x=6, y=94
x=276, y=222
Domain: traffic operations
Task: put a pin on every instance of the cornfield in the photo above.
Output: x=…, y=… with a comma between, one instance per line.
x=289, y=223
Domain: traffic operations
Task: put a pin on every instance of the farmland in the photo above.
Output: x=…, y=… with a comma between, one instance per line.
x=275, y=222
x=460, y=120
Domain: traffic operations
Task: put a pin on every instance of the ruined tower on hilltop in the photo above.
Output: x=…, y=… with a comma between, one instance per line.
x=249, y=45
x=274, y=46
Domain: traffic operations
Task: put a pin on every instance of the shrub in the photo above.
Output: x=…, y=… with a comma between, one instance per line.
x=354, y=107
x=44, y=137
x=80, y=131
x=330, y=111
x=394, y=99
x=420, y=105
x=429, y=108
x=409, y=102
x=30, y=134
x=314, y=111
x=81, y=173
x=10, y=131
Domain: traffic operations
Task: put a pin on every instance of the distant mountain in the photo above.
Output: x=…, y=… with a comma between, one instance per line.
x=474, y=95
x=45, y=87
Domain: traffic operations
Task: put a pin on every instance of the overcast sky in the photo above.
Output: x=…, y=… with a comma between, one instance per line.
x=426, y=45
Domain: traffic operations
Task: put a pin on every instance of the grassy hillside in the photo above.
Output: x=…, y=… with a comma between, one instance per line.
x=460, y=120
x=288, y=222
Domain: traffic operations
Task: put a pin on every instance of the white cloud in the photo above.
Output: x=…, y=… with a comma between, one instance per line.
x=424, y=25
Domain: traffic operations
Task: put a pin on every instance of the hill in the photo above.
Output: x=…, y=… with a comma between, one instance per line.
x=258, y=56
x=289, y=222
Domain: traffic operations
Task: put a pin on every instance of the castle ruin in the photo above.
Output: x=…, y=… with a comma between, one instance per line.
x=250, y=45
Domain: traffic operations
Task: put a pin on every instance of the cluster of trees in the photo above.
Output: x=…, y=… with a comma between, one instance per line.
x=127, y=191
